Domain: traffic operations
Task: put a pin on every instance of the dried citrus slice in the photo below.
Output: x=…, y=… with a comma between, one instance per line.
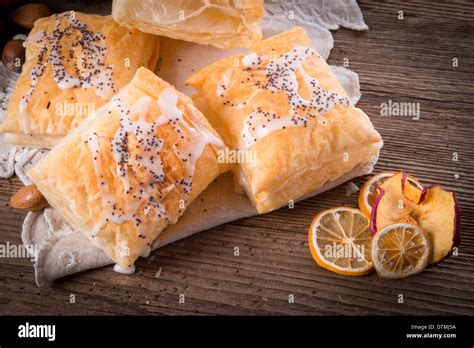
x=369, y=191
x=399, y=251
x=339, y=240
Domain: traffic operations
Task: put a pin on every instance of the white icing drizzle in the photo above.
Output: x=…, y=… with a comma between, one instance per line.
x=223, y=84
x=200, y=136
x=124, y=249
x=251, y=60
x=147, y=196
x=38, y=38
x=124, y=270
x=281, y=77
x=145, y=132
x=89, y=67
x=149, y=159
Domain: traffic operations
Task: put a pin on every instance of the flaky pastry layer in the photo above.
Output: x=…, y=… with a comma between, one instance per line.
x=282, y=103
x=74, y=64
x=132, y=167
x=222, y=23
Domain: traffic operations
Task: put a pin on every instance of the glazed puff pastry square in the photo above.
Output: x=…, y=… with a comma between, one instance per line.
x=74, y=64
x=222, y=23
x=282, y=105
x=131, y=168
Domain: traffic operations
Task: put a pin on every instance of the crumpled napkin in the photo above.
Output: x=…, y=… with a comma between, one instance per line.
x=318, y=17
x=59, y=250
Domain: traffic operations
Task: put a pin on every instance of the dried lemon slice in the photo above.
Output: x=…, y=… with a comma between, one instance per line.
x=369, y=192
x=339, y=240
x=399, y=251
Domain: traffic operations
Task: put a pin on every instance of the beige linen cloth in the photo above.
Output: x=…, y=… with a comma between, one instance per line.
x=61, y=251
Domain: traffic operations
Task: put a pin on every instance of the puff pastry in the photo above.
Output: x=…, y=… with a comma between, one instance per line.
x=131, y=168
x=222, y=23
x=281, y=103
x=75, y=63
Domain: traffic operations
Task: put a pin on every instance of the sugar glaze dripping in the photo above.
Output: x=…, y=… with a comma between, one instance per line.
x=281, y=77
x=144, y=197
x=90, y=71
x=149, y=159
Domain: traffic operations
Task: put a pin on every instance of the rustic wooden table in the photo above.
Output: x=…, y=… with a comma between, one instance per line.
x=409, y=60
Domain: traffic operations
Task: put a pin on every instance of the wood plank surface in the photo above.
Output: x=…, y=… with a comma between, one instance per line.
x=407, y=60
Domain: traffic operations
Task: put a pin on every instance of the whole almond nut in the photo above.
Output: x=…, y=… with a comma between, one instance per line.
x=27, y=15
x=13, y=55
x=28, y=198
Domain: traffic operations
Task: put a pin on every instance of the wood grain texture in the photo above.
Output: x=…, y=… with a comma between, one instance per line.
x=407, y=60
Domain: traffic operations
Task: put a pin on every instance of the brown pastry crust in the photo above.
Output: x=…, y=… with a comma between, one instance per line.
x=47, y=117
x=86, y=182
x=291, y=162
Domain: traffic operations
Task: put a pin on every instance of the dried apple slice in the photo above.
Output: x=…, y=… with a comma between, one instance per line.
x=438, y=214
x=369, y=191
x=392, y=205
x=432, y=209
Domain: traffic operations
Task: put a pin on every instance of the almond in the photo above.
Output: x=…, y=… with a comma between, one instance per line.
x=28, y=198
x=13, y=55
x=27, y=15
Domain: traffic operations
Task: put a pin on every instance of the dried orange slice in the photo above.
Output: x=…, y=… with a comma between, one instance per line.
x=339, y=240
x=369, y=191
x=399, y=251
